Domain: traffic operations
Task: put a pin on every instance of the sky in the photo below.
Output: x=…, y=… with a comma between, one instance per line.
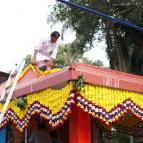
x=23, y=24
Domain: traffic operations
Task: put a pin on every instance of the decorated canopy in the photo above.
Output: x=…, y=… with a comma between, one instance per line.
x=110, y=97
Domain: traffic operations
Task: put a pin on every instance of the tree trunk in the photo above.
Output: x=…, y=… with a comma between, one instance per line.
x=120, y=57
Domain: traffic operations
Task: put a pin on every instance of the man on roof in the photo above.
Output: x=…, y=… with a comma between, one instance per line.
x=46, y=52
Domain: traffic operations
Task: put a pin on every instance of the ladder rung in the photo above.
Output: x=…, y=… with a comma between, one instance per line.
x=11, y=91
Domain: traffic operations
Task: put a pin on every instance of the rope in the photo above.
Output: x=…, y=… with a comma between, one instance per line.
x=101, y=14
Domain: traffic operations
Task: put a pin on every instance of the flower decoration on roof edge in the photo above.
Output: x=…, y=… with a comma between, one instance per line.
x=79, y=83
x=106, y=104
x=21, y=103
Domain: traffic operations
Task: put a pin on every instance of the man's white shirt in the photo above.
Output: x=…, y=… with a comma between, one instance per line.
x=46, y=50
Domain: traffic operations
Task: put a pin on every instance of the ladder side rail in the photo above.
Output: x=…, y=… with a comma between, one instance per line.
x=11, y=91
x=7, y=84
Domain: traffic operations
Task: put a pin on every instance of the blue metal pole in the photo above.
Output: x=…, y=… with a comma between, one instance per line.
x=101, y=14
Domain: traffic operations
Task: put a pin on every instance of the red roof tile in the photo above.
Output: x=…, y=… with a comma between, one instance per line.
x=94, y=75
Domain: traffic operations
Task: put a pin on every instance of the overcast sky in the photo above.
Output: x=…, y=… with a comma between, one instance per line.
x=22, y=25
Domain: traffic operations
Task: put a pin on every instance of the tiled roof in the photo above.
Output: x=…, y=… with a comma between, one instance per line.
x=29, y=82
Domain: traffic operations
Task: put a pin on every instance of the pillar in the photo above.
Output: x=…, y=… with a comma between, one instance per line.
x=79, y=126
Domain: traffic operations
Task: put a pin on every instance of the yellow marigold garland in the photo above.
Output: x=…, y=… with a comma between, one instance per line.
x=50, y=104
x=106, y=104
x=35, y=72
x=53, y=99
x=109, y=98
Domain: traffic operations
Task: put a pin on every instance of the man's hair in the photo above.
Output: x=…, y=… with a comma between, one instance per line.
x=53, y=134
x=55, y=34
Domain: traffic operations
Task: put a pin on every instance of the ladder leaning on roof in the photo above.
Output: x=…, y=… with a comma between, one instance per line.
x=2, y=97
x=8, y=98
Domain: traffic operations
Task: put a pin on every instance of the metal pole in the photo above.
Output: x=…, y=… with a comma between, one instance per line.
x=101, y=14
x=26, y=137
x=131, y=139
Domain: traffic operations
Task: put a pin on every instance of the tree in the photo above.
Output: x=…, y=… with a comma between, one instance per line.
x=66, y=56
x=127, y=41
x=124, y=44
x=27, y=61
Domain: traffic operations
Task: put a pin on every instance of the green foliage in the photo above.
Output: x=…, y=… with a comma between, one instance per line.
x=27, y=60
x=21, y=103
x=124, y=44
x=79, y=83
x=67, y=54
x=96, y=63
x=85, y=33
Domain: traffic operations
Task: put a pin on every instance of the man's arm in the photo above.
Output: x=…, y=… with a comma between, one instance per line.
x=36, y=50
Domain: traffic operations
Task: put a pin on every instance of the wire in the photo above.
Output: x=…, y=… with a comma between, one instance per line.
x=101, y=14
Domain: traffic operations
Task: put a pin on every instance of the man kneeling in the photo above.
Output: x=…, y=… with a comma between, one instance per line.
x=46, y=52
